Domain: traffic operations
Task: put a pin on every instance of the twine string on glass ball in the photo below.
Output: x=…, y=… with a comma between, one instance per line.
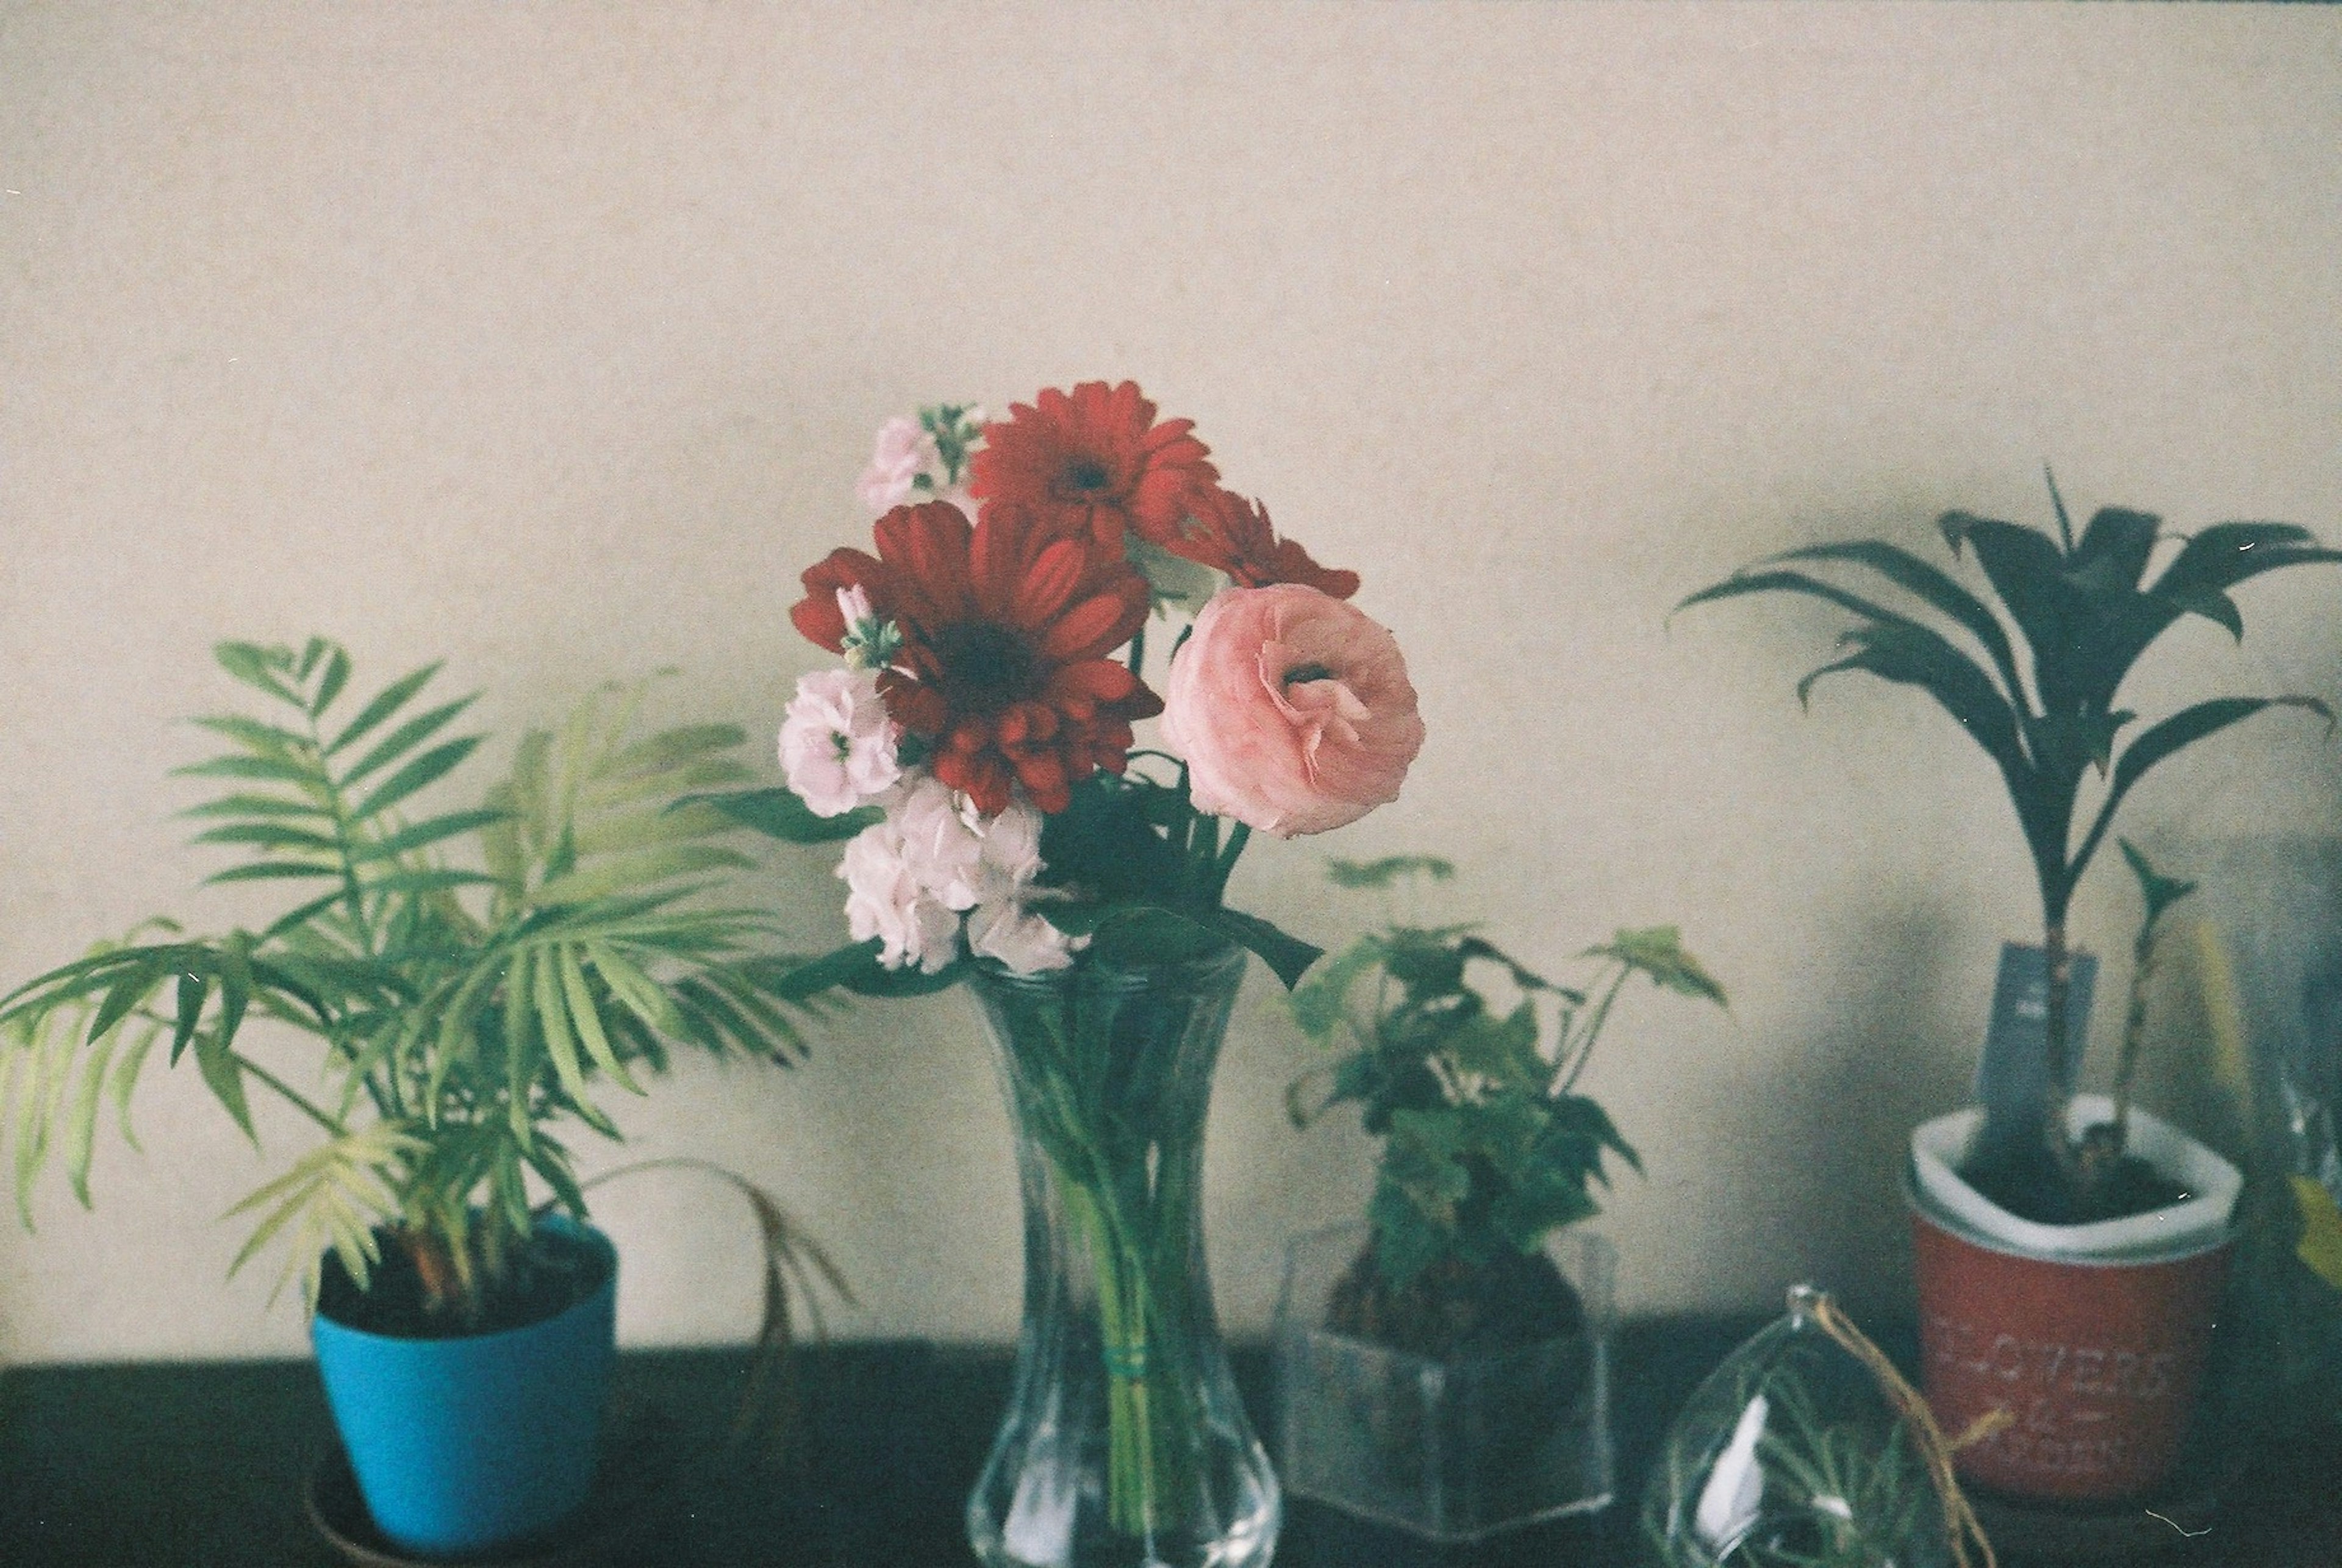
x=1961, y=1526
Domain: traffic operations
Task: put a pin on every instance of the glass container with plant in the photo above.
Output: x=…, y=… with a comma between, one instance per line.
x=1445, y=1373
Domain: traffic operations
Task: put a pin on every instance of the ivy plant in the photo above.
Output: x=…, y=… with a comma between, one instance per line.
x=466, y=1008
x=1487, y=1148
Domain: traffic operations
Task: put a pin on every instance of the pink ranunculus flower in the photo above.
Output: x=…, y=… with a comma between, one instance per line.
x=1292, y=709
x=903, y=450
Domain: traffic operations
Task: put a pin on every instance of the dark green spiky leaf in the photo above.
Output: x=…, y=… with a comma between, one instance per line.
x=2227, y=554
x=2181, y=730
x=2157, y=891
x=1923, y=582
x=1912, y=655
x=2112, y=558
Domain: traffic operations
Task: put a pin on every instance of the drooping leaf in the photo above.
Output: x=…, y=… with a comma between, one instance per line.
x=780, y=813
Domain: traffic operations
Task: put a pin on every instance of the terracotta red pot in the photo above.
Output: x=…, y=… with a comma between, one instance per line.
x=2099, y=1361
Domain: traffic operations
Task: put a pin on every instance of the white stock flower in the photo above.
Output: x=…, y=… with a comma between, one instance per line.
x=885, y=900
x=904, y=452
x=943, y=841
x=837, y=744
x=1026, y=942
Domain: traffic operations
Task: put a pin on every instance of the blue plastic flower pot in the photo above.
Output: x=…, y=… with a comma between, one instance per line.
x=460, y=1445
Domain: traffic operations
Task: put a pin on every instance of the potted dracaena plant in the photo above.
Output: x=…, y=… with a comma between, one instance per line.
x=465, y=1010
x=2095, y=1232
x=1440, y=1372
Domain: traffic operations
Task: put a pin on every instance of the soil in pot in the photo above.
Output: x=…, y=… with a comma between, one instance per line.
x=1453, y=1310
x=2033, y=1185
x=553, y=1271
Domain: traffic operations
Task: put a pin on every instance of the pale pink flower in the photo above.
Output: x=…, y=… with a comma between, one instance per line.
x=883, y=900
x=903, y=450
x=837, y=744
x=1010, y=932
x=1292, y=710
x=943, y=841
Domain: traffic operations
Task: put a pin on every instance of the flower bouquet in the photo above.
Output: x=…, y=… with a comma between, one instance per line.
x=978, y=753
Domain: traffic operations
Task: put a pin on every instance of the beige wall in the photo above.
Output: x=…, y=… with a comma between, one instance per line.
x=550, y=339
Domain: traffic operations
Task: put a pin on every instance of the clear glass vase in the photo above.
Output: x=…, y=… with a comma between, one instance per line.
x=1124, y=1444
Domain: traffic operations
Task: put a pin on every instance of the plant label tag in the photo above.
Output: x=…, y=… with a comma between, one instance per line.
x=2013, y=1074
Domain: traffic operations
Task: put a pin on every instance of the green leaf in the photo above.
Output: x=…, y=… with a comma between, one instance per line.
x=671, y=749
x=271, y=870
x=192, y=990
x=80, y=1135
x=420, y=834
x=1287, y=957
x=278, y=769
x=1925, y=581
x=587, y=1020
x=268, y=835
x=265, y=740
x=856, y=968
x=424, y=769
x=1388, y=871
x=780, y=813
x=258, y=805
x=1912, y=656
x=329, y=686
x=552, y=1016
x=1658, y=951
x=2227, y=554
x=225, y=1076
x=386, y=701
x=2159, y=892
x=130, y=990
x=1318, y=1003
x=2181, y=730
x=258, y=667
x=404, y=739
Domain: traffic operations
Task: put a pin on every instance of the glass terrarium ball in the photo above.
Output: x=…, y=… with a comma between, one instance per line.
x=1791, y=1456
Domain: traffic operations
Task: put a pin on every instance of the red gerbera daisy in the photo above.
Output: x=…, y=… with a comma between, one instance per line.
x=1234, y=535
x=1094, y=460
x=1007, y=625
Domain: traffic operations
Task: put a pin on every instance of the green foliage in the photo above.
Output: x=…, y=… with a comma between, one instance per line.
x=2082, y=612
x=463, y=1010
x=1485, y=1148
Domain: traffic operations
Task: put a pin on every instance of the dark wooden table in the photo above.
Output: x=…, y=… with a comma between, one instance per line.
x=144, y=1466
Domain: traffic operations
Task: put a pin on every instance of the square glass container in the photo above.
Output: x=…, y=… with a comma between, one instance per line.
x=1448, y=1451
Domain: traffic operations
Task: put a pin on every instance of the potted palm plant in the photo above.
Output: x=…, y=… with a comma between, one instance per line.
x=465, y=1014
x=1445, y=1369
x=2070, y=1249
